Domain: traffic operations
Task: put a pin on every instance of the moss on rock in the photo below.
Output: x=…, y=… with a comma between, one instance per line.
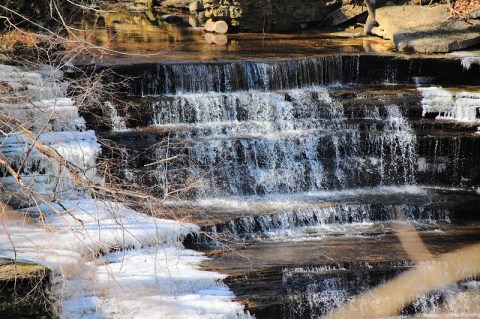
x=23, y=290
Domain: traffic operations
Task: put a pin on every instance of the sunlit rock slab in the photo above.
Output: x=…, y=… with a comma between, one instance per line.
x=429, y=32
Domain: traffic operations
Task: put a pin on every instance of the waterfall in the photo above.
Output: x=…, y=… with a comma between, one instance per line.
x=298, y=161
x=287, y=141
x=156, y=79
x=330, y=220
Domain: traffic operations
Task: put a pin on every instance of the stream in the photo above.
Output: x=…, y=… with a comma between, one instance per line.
x=298, y=164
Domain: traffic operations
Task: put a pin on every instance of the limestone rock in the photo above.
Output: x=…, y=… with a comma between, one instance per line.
x=425, y=29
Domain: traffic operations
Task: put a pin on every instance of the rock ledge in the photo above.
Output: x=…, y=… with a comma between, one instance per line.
x=425, y=29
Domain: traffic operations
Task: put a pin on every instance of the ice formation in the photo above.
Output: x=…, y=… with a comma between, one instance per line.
x=108, y=261
x=463, y=106
x=468, y=58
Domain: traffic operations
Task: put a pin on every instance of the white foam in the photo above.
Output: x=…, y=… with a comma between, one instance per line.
x=279, y=202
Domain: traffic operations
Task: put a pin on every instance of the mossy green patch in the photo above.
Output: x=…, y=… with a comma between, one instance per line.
x=23, y=290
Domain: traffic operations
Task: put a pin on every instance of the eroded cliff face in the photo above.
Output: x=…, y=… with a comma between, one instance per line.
x=264, y=15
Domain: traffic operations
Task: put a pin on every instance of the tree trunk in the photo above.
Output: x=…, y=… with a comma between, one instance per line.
x=220, y=27
x=371, y=21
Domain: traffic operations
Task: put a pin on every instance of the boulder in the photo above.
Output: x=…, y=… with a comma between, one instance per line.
x=425, y=29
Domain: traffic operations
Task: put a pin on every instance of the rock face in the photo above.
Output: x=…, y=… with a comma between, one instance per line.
x=425, y=29
x=266, y=15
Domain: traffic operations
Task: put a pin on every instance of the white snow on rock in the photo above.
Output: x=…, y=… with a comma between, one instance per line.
x=108, y=261
x=44, y=175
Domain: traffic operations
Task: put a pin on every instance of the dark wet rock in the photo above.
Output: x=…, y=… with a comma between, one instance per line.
x=429, y=32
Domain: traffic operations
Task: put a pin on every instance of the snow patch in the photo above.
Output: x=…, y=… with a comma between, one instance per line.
x=108, y=261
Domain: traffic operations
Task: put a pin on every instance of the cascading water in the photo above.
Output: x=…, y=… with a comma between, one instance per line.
x=268, y=157
x=243, y=75
x=257, y=143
